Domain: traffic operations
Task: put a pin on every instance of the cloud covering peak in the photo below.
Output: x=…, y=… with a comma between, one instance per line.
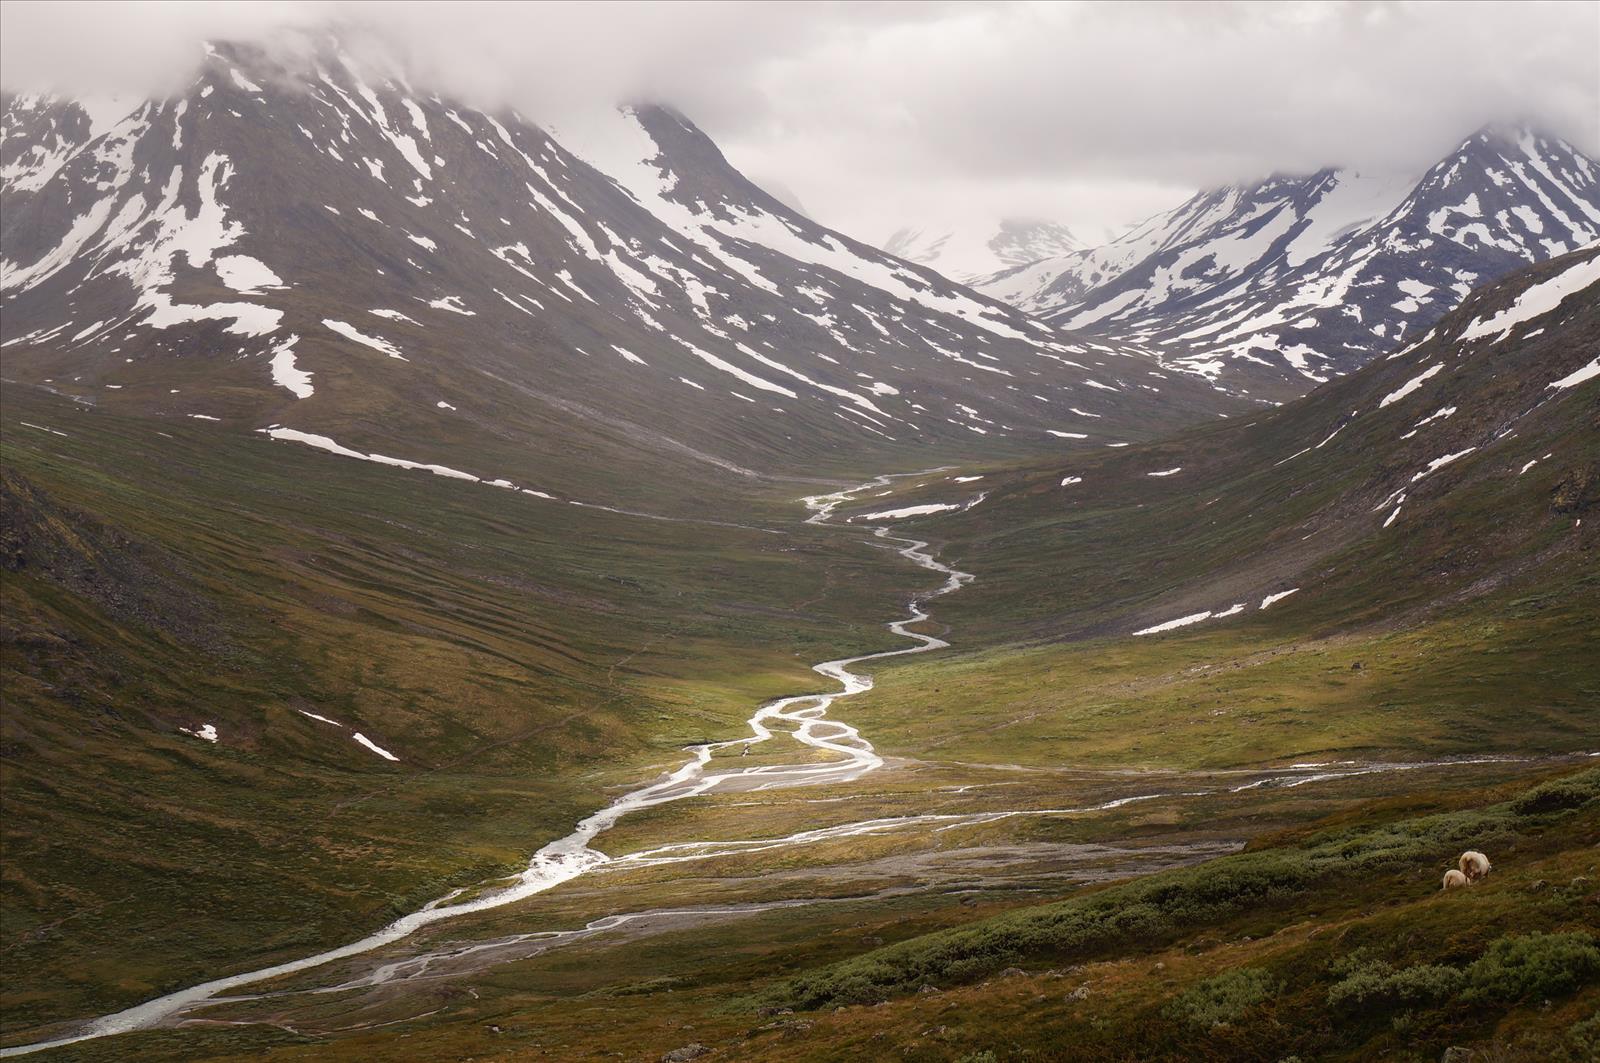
x=880, y=115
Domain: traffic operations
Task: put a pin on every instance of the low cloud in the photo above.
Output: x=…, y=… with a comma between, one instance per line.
x=879, y=115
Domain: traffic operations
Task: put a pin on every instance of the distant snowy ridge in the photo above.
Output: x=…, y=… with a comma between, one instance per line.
x=968, y=254
x=1286, y=283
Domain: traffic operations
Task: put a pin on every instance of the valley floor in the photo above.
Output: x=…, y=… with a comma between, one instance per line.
x=1078, y=850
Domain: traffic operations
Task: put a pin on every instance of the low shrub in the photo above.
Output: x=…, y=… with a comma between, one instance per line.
x=1161, y=908
x=1511, y=970
x=1226, y=998
x=1375, y=985
x=1582, y=1041
x=1532, y=967
x=1558, y=795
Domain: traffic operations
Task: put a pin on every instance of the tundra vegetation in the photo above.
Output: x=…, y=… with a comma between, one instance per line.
x=1219, y=842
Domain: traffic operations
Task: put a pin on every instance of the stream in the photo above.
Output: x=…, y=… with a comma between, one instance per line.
x=803, y=717
x=571, y=856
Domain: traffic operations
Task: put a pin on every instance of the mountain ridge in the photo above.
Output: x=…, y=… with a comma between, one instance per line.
x=1294, y=280
x=345, y=242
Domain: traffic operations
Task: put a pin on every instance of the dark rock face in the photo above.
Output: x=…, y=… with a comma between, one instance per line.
x=131, y=581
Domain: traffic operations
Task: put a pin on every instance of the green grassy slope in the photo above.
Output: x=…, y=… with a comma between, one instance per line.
x=1332, y=941
x=522, y=660
x=1336, y=944
x=1295, y=496
x=520, y=657
x=1457, y=620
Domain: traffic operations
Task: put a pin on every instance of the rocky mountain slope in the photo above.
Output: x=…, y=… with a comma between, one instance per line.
x=351, y=263
x=1459, y=465
x=1281, y=285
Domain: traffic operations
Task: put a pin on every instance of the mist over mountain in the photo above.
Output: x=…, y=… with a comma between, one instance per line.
x=968, y=256
x=945, y=116
x=332, y=255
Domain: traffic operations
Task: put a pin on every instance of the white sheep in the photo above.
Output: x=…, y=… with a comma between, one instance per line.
x=1454, y=879
x=1474, y=865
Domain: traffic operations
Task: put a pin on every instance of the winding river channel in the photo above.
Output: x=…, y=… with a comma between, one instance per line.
x=803, y=717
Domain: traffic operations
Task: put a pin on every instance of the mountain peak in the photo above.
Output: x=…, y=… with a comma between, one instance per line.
x=345, y=258
x=1289, y=281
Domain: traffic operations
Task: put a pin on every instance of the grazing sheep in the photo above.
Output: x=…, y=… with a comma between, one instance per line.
x=1453, y=879
x=1474, y=865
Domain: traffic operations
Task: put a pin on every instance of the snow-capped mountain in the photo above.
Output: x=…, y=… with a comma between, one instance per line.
x=1439, y=473
x=965, y=254
x=328, y=253
x=1286, y=283
x=1229, y=232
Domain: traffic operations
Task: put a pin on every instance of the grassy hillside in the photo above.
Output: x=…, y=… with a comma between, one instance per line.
x=1331, y=941
x=520, y=657
x=1363, y=601
x=1302, y=496
x=1335, y=944
x=1065, y=791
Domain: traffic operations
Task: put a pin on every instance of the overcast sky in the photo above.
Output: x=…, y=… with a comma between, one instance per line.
x=953, y=114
